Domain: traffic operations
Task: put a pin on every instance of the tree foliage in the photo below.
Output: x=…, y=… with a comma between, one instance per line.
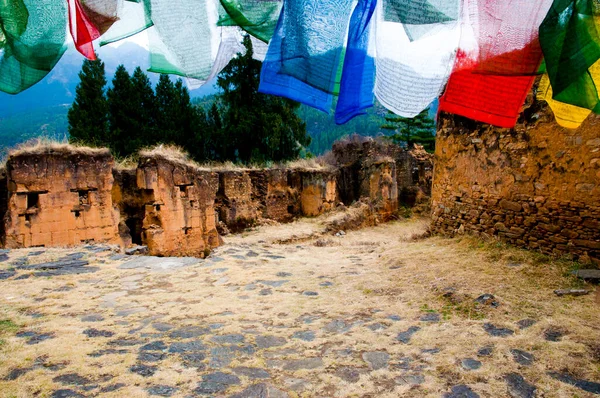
x=87, y=116
x=408, y=131
x=240, y=125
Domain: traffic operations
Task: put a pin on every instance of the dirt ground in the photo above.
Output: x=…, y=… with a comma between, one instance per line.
x=286, y=310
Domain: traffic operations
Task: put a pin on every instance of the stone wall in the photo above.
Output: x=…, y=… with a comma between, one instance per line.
x=316, y=191
x=536, y=185
x=272, y=194
x=234, y=203
x=60, y=198
x=179, y=214
x=379, y=183
x=3, y=203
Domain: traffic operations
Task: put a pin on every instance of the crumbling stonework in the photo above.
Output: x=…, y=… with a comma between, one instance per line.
x=272, y=194
x=60, y=197
x=536, y=186
x=234, y=204
x=378, y=182
x=131, y=203
x=179, y=215
x=413, y=174
x=316, y=190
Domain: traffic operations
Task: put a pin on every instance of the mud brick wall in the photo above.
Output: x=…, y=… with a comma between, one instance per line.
x=179, y=215
x=60, y=199
x=234, y=202
x=316, y=191
x=379, y=183
x=535, y=186
x=271, y=194
x=131, y=203
x=3, y=203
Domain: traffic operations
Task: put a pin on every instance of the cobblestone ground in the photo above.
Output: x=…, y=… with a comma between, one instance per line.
x=286, y=311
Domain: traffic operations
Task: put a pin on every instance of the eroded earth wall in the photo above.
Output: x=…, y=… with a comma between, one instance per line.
x=535, y=186
x=179, y=215
x=60, y=199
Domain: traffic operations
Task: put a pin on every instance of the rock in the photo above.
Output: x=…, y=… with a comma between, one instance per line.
x=405, y=336
x=188, y=332
x=109, y=351
x=98, y=333
x=517, y=387
x=162, y=390
x=394, y=318
x=216, y=382
x=470, y=364
x=188, y=346
x=125, y=342
x=461, y=391
x=485, y=351
x=588, y=386
x=326, y=284
x=139, y=250
x=7, y=274
x=92, y=318
x=349, y=374
x=112, y=387
x=273, y=283
x=220, y=357
x=16, y=373
x=154, y=346
x=522, y=357
x=304, y=335
x=552, y=334
x=71, y=379
x=306, y=363
x=228, y=339
x=284, y=274
x=162, y=327
x=310, y=293
x=430, y=317
x=376, y=359
x=270, y=341
x=487, y=299
x=496, y=331
x=158, y=263
x=526, y=323
x=430, y=351
x=143, y=370
x=3, y=257
x=588, y=274
x=408, y=379
x=265, y=292
x=262, y=390
x=149, y=356
x=338, y=326
x=252, y=373
x=377, y=326
x=65, y=393
x=571, y=292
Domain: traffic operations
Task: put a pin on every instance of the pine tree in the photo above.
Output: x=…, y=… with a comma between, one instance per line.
x=409, y=131
x=123, y=125
x=144, y=107
x=88, y=120
x=259, y=127
x=165, y=104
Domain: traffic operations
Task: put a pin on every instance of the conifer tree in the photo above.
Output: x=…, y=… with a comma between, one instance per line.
x=409, y=131
x=144, y=109
x=259, y=127
x=123, y=125
x=88, y=120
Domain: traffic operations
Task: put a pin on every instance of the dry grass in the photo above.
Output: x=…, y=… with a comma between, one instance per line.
x=44, y=146
x=171, y=153
x=376, y=272
x=311, y=164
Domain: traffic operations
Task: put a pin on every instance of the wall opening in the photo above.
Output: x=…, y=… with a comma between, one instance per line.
x=135, y=229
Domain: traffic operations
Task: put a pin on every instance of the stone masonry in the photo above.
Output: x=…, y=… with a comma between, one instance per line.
x=535, y=186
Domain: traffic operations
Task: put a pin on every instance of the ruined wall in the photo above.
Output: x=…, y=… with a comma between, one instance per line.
x=60, y=198
x=234, y=203
x=316, y=191
x=131, y=202
x=179, y=215
x=3, y=203
x=414, y=168
x=271, y=194
x=536, y=186
x=378, y=182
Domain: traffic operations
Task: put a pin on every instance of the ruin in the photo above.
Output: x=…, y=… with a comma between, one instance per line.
x=536, y=186
x=62, y=195
x=59, y=196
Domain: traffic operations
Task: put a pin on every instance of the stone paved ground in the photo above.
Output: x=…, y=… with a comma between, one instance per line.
x=285, y=311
